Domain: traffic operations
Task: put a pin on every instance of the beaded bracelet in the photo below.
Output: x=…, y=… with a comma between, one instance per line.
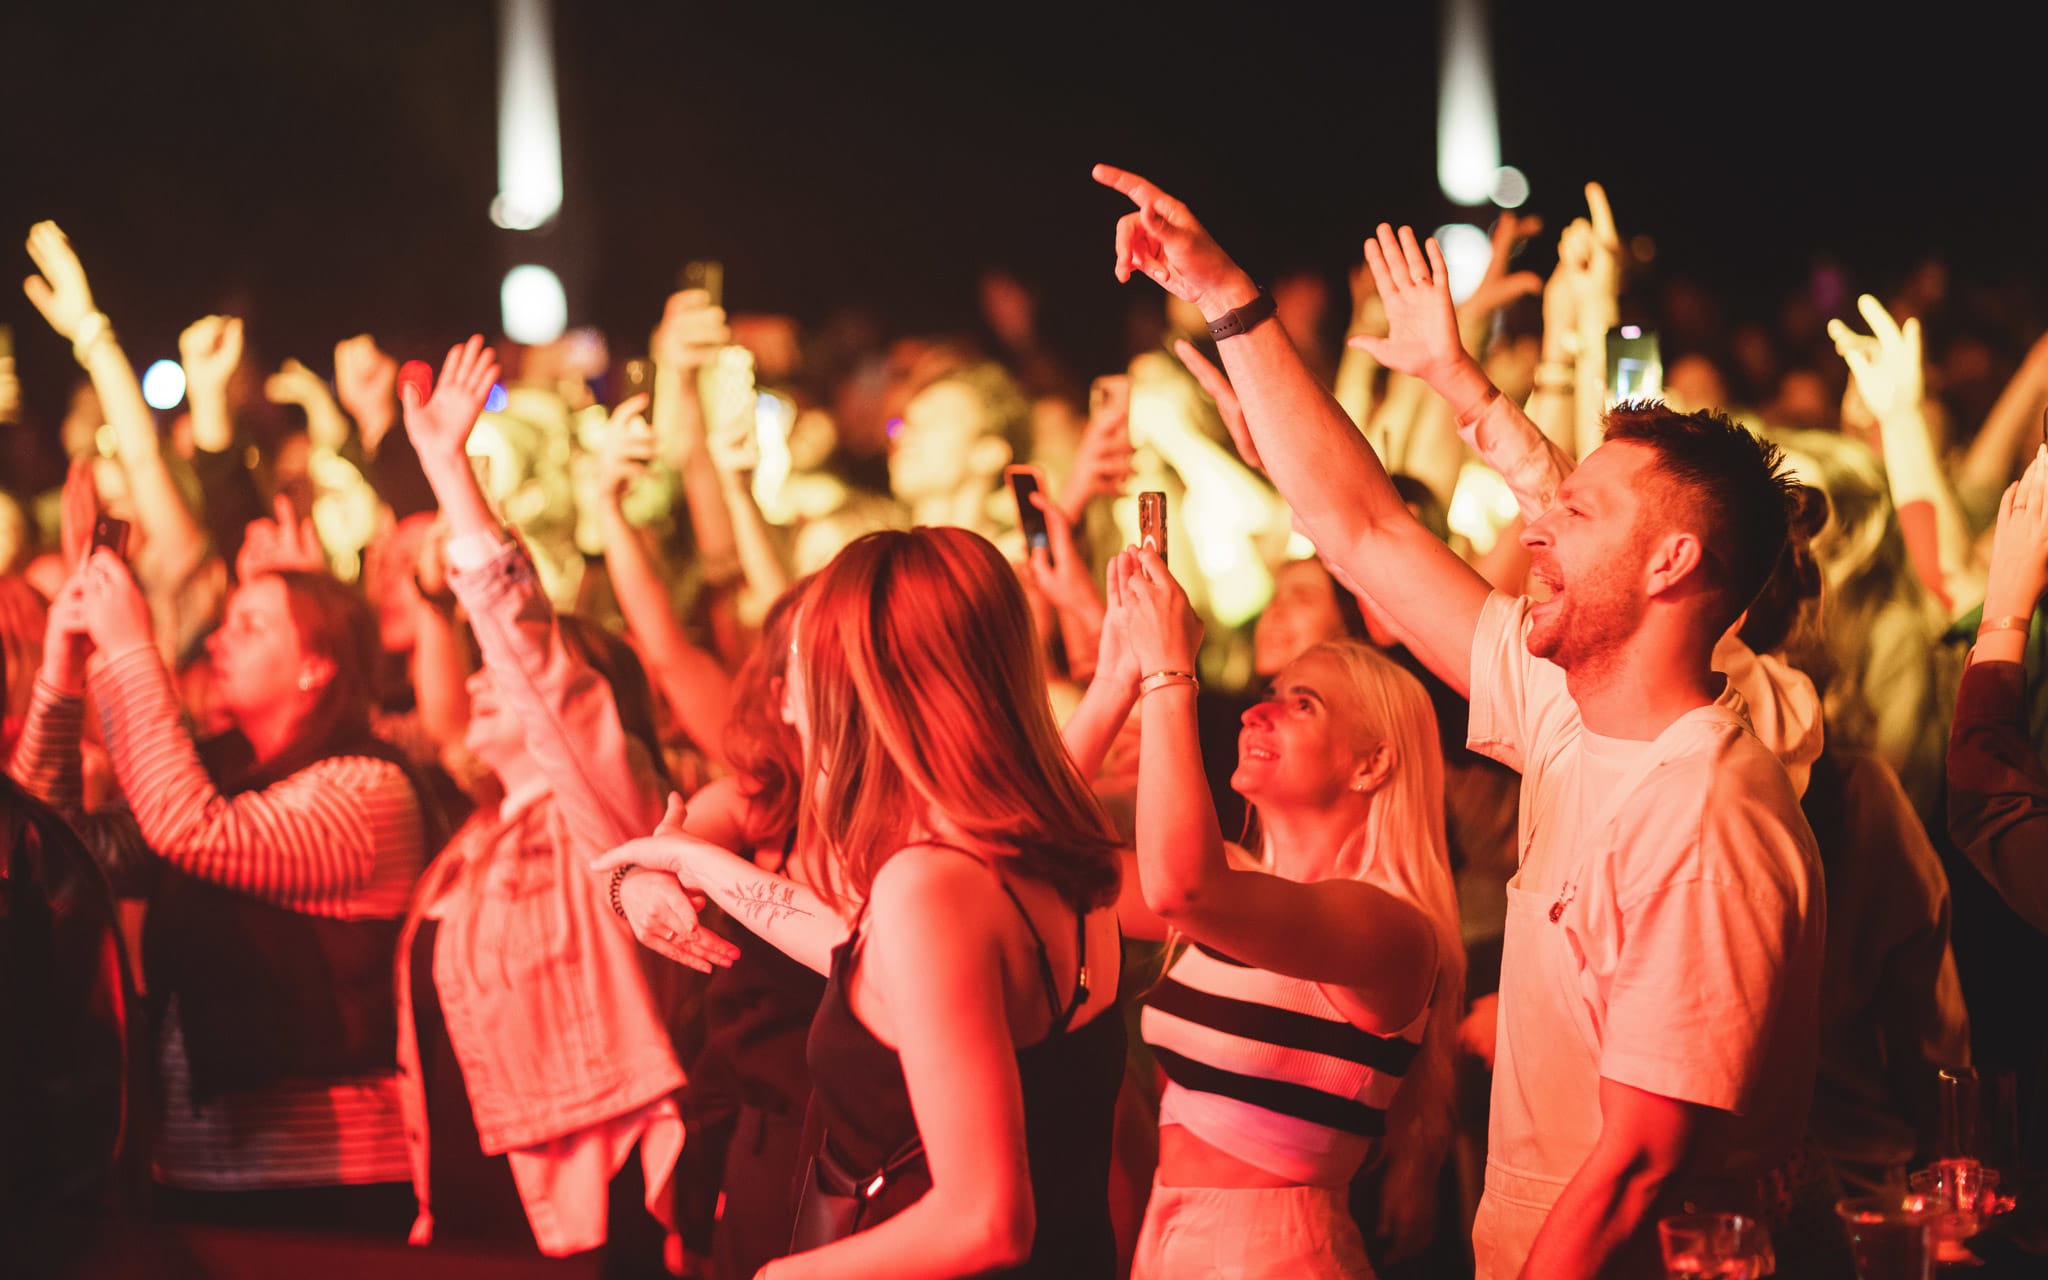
x=619, y=875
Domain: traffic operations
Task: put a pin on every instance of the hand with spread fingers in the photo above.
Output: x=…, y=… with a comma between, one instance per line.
x=1162, y=240
x=440, y=425
x=1422, y=322
x=1500, y=286
x=1886, y=363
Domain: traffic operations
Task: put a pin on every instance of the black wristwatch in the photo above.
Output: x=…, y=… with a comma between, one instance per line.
x=1243, y=319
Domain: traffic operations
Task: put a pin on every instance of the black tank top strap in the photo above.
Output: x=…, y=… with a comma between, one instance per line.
x=1062, y=1011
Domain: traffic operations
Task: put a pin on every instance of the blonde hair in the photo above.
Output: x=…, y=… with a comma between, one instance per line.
x=1401, y=847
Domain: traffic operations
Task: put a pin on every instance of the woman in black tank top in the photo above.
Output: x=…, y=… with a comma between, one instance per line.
x=964, y=917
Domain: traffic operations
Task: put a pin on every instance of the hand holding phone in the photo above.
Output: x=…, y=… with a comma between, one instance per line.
x=1152, y=522
x=111, y=533
x=1025, y=480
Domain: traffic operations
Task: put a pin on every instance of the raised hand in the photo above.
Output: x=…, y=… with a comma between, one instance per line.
x=1102, y=460
x=60, y=292
x=1218, y=386
x=366, y=383
x=734, y=444
x=282, y=541
x=1160, y=626
x=1886, y=364
x=1422, y=323
x=440, y=425
x=294, y=383
x=1163, y=240
x=663, y=914
x=1057, y=569
x=1499, y=286
x=116, y=615
x=2019, y=550
x=691, y=331
x=1597, y=271
x=210, y=348
x=627, y=448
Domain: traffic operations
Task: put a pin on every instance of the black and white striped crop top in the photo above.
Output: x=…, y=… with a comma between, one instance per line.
x=1267, y=1069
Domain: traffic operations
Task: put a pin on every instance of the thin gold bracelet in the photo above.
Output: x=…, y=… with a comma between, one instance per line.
x=1160, y=679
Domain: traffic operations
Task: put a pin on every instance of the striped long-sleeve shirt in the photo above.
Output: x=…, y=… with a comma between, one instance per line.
x=340, y=838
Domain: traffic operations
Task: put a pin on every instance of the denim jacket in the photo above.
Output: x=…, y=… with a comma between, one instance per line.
x=555, y=1024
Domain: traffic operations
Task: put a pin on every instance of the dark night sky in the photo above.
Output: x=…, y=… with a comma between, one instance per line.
x=328, y=169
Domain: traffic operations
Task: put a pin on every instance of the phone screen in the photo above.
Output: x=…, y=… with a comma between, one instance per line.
x=708, y=276
x=1025, y=481
x=1635, y=369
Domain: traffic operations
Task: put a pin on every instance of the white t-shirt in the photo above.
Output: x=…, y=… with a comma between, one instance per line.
x=1664, y=931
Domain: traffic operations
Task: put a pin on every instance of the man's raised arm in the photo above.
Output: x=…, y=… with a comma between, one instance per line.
x=1340, y=492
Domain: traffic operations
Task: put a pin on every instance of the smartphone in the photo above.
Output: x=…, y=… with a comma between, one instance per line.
x=708, y=275
x=638, y=380
x=1026, y=480
x=110, y=533
x=1152, y=521
x=1635, y=369
x=6, y=342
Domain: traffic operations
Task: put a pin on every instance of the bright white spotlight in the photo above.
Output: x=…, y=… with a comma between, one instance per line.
x=529, y=129
x=1467, y=134
x=1467, y=250
x=163, y=385
x=1510, y=187
x=533, y=305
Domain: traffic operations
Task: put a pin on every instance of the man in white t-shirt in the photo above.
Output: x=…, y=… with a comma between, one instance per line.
x=1663, y=953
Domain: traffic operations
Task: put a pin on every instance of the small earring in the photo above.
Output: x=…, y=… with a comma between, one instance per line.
x=305, y=682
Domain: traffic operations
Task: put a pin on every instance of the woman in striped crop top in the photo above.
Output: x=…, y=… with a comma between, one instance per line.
x=1315, y=1007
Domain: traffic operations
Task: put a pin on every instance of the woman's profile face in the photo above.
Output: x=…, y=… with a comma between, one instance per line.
x=1301, y=745
x=256, y=654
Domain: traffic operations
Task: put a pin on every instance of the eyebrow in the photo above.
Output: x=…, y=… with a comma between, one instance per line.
x=1306, y=692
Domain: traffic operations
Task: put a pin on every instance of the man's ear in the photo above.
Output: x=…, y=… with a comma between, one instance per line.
x=1674, y=559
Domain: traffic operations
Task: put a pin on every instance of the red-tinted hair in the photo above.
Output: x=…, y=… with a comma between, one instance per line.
x=763, y=751
x=925, y=696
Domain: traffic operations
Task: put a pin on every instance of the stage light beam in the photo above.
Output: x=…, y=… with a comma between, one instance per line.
x=529, y=127
x=1467, y=132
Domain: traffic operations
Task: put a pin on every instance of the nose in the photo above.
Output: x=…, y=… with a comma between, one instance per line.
x=1259, y=715
x=1537, y=532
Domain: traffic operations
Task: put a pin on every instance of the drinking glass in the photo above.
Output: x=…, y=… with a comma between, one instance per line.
x=1712, y=1246
x=1892, y=1237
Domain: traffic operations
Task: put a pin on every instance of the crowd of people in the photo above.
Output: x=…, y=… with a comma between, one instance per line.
x=761, y=808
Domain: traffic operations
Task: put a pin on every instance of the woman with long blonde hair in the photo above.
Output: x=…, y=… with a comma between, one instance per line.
x=1316, y=1008
x=968, y=1051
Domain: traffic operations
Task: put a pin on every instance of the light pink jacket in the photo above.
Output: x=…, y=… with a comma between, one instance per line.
x=560, y=1034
